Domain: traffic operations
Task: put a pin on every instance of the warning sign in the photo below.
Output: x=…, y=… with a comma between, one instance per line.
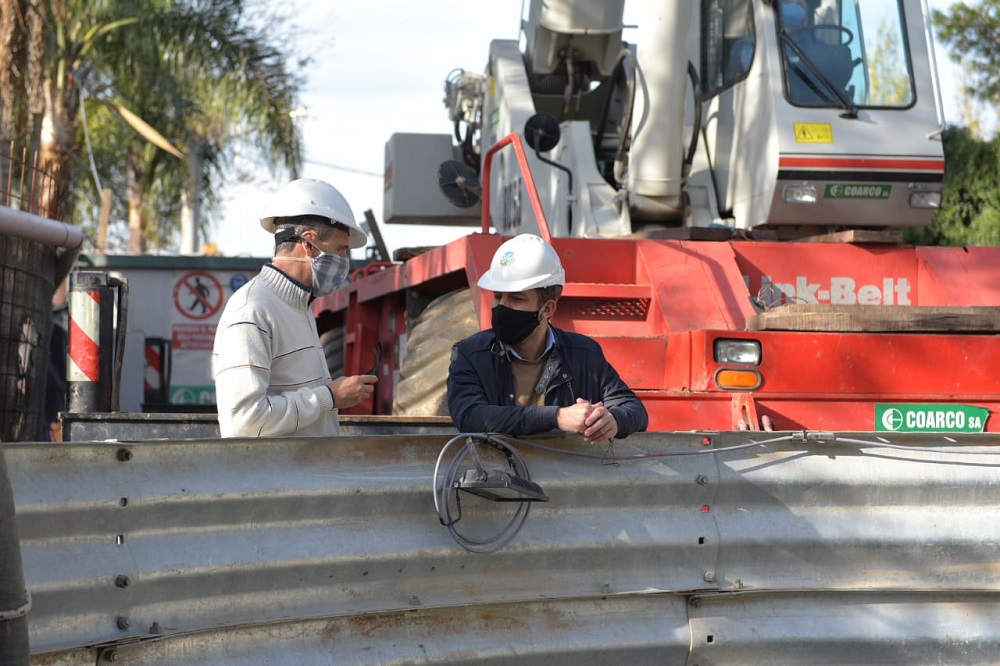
x=198, y=295
x=193, y=336
x=813, y=133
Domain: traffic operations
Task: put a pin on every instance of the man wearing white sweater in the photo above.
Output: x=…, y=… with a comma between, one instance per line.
x=271, y=376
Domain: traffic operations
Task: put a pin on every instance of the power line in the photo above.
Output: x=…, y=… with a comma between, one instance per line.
x=344, y=168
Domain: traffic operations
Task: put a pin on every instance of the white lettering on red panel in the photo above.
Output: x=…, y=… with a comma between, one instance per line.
x=838, y=291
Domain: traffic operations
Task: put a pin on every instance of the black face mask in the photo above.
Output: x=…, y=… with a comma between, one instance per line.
x=512, y=326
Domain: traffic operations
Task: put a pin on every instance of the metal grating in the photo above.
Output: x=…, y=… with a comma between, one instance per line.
x=26, y=286
x=27, y=271
x=26, y=184
x=600, y=308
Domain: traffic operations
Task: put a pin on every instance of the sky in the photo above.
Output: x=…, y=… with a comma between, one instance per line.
x=379, y=67
x=382, y=70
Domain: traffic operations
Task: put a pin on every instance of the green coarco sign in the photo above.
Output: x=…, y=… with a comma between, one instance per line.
x=857, y=191
x=930, y=418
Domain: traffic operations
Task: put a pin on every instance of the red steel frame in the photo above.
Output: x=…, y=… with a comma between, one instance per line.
x=657, y=307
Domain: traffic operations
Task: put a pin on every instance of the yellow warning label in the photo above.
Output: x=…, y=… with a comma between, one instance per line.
x=813, y=133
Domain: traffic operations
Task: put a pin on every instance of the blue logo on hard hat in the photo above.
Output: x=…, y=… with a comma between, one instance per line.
x=507, y=259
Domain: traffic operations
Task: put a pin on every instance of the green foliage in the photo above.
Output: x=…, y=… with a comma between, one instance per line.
x=970, y=205
x=111, y=141
x=212, y=84
x=208, y=75
x=972, y=34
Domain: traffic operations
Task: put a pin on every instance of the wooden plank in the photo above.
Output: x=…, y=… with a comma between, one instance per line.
x=878, y=319
x=884, y=236
x=716, y=234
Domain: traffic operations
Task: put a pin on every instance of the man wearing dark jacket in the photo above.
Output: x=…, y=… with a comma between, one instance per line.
x=525, y=376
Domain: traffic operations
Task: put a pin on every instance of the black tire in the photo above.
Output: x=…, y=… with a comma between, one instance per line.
x=421, y=389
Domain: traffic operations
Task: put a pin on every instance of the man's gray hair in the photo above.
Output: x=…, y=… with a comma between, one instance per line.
x=290, y=229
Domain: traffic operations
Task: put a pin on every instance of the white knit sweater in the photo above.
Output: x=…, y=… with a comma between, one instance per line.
x=268, y=364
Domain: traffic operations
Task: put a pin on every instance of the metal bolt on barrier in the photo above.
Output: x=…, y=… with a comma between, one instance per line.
x=709, y=576
x=110, y=654
x=124, y=455
x=702, y=480
x=122, y=581
x=124, y=623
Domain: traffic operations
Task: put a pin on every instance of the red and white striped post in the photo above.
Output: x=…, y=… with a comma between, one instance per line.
x=91, y=342
x=157, y=376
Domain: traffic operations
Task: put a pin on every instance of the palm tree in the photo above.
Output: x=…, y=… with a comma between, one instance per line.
x=217, y=78
x=196, y=71
x=22, y=48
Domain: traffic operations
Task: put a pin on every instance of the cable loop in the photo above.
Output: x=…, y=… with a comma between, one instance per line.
x=447, y=484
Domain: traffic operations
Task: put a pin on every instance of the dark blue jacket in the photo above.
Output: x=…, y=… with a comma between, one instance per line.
x=481, y=387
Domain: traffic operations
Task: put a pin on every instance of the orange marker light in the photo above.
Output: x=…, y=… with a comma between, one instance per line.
x=738, y=379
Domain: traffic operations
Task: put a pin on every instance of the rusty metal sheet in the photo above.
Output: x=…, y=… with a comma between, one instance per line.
x=859, y=627
x=187, y=536
x=214, y=540
x=650, y=629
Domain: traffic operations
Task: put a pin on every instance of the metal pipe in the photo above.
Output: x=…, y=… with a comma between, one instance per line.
x=513, y=140
x=18, y=223
x=14, y=604
x=121, y=331
x=655, y=171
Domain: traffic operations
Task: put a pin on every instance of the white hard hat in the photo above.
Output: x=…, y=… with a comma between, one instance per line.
x=308, y=196
x=524, y=262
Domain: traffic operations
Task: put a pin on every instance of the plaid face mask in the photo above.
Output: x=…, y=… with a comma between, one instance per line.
x=329, y=273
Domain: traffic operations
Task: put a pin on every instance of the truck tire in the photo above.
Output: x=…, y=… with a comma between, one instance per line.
x=424, y=370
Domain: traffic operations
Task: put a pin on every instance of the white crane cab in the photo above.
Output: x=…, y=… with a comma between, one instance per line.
x=820, y=113
x=795, y=116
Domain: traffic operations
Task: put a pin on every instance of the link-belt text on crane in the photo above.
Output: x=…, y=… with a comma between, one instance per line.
x=838, y=291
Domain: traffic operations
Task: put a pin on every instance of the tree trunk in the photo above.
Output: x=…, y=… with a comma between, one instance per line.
x=59, y=146
x=191, y=200
x=136, y=237
x=13, y=59
x=22, y=47
x=35, y=82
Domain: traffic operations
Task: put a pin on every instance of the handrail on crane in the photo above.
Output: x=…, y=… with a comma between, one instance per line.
x=529, y=183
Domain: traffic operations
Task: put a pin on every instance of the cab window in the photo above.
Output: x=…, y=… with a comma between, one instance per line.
x=728, y=43
x=837, y=52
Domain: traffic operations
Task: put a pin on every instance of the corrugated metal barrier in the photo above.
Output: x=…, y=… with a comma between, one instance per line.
x=329, y=551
